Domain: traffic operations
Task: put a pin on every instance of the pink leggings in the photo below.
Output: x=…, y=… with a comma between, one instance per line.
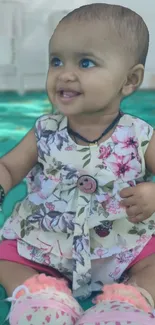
x=8, y=252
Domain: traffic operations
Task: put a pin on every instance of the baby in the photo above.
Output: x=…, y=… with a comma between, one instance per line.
x=88, y=220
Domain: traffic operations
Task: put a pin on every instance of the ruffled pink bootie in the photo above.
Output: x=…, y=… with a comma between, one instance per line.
x=44, y=300
x=120, y=304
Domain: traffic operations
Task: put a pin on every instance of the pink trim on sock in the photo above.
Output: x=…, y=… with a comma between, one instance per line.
x=117, y=292
x=117, y=316
x=40, y=282
x=15, y=315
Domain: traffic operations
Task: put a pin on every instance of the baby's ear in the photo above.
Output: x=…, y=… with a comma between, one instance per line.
x=134, y=80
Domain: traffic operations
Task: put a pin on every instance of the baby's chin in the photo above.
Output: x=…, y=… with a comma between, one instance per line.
x=70, y=110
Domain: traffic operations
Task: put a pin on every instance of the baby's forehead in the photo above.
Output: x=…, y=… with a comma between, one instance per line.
x=98, y=36
x=74, y=28
x=106, y=28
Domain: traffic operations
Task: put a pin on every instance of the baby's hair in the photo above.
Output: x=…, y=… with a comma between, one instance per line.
x=129, y=26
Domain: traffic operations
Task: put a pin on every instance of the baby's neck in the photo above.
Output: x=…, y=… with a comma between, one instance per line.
x=91, y=127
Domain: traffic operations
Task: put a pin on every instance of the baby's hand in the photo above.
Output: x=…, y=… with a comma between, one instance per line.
x=139, y=201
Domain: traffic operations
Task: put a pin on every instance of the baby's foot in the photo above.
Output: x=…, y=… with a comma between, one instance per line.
x=44, y=300
x=115, y=313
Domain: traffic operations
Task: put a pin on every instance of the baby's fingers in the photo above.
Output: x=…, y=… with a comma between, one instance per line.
x=127, y=192
x=138, y=218
x=133, y=211
x=128, y=201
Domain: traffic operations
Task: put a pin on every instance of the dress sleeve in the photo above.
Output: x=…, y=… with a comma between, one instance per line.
x=40, y=126
x=145, y=133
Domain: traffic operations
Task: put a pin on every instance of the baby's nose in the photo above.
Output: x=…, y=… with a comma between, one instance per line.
x=67, y=76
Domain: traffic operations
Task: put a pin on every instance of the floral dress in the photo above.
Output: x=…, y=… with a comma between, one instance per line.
x=87, y=237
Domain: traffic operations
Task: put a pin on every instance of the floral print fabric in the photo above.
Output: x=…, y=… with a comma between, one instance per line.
x=87, y=237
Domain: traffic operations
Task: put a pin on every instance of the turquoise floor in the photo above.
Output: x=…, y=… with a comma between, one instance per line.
x=18, y=115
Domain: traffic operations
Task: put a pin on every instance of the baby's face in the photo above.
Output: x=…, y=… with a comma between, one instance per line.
x=87, y=69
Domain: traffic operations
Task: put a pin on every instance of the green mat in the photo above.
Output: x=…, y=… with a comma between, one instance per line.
x=18, y=115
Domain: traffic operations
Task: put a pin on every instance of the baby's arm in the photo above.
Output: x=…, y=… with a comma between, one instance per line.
x=16, y=164
x=140, y=200
x=150, y=155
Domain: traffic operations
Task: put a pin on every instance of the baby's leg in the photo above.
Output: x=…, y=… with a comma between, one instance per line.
x=142, y=274
x=37, y=298
x=13, y=275
x=42, y=300
x=120, y=304
x=123, y=304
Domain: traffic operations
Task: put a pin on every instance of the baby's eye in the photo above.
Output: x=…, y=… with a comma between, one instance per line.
x=87, y=63
x=56, y=62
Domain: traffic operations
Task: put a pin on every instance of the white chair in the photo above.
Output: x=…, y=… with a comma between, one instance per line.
x=11, y=38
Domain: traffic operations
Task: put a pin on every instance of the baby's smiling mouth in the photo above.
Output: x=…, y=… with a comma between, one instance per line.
x=68, y=93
